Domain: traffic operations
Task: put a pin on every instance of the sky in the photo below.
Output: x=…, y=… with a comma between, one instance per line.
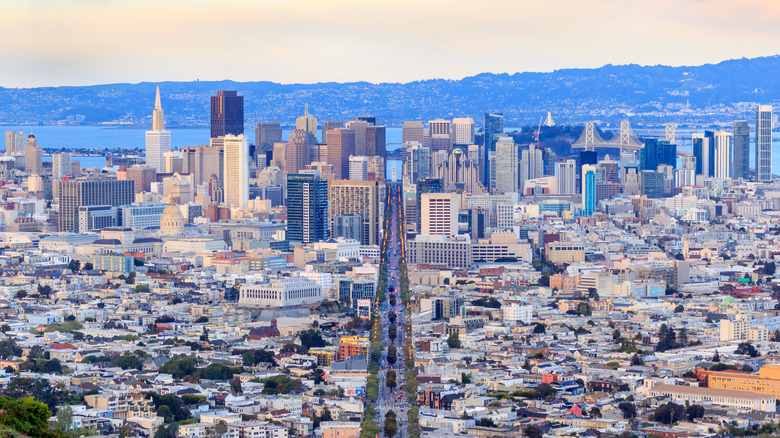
x=84, y=42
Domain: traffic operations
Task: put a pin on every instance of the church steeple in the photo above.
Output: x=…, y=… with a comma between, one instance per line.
x=158, y=124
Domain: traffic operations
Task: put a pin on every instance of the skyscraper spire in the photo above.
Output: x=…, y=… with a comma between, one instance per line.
x=158, y=124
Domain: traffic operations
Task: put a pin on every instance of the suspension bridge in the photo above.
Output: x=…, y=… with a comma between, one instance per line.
x=590, y=139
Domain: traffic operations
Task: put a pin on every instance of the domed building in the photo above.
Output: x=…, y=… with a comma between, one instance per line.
x=171, y=221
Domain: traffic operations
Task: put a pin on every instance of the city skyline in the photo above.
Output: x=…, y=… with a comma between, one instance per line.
x=45, y=40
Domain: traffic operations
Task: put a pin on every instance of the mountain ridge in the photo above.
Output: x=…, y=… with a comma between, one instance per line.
x=705, y=94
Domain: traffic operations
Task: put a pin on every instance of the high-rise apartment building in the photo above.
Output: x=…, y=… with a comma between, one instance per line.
x=33, y=156
x=236, y=185
x=588, y=189
x=416, y=161
x=357, y=198
x=298, y=151
x=308, y=123
x=61, y=165
x=494, y=125
x=567, y=177
x=506, y=166
x=75, y=193
x=441, y=135
x=463, y=131
x=307, y=208
x=158, y=140
x=741, y=150
x=341, y=144
x=227, y=114
x=723, y=154
x=439, y=213
x=764, y=143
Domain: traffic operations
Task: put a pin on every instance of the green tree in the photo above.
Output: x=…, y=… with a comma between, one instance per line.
x=669, y=413
x=128, y=361
x=453, y=341
x=746, y=348
x=235, y=386
x=74, y=265
x=628, y=409
x=595, y=412
x=532, y=432
x=64, y=419
x=391, y=425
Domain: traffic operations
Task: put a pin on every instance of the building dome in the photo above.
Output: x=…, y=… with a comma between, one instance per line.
x=171, y=221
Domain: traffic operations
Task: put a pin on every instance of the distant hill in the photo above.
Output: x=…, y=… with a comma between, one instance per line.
x=707, y=94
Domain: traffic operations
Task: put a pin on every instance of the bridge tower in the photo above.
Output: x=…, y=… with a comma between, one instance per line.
x=625, y=133
x=590, y=137
x=671, y=132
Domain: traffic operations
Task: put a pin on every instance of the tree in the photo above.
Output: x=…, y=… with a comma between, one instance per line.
x=312, y=339
x=88, y=266
x=540, y=328
x=64, y=418
x=485, y=422
x=694, y=411
x=161, y=432
x=453, y=341
x=636, y=359
x=679, y=309
x=21, y=294
x=391, y=424
x=628, y=409
x=616, y=334
x=74, y=265
x=128, y=361
x=769, y=268
x=746, y=348
x=667, y=339
x=235, y=386
x=595, y=412
x=532, y=432
x=716, y=357
x=682, y=337
x=669, y=413
x=392, y=354
x=544, y=390
x=126, y=431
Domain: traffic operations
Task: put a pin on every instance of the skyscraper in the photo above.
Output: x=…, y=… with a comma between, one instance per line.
x=358, y=198
x=567, y=177
x=358, y=168
x=33, y=156
x=439, y=213
x=417, y=162
x=341, y=144
x=723, y=155
x=75, y=193
x=158, y=140
x=236, y=185
x=307, y=208
x=588, y=189
x=298, y=151
x=764, y=143
x=656, y=152
x=376, y=141
x=14, y=141
x=413, y=131
x=463, y=131
x=741, y=150
x=227, y=114
x=494, y=124
x=327, y=126
x=360, y=127
x=427, y=185
x=701, y=150
x=308, y=123
x=531, y=166
x=710, y=136
x=506, y=166
x=441, y=136
x=60, y=165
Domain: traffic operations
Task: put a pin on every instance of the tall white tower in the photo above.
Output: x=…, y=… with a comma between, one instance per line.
x=236, y=171
x=158, y=140
x=764, y=143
